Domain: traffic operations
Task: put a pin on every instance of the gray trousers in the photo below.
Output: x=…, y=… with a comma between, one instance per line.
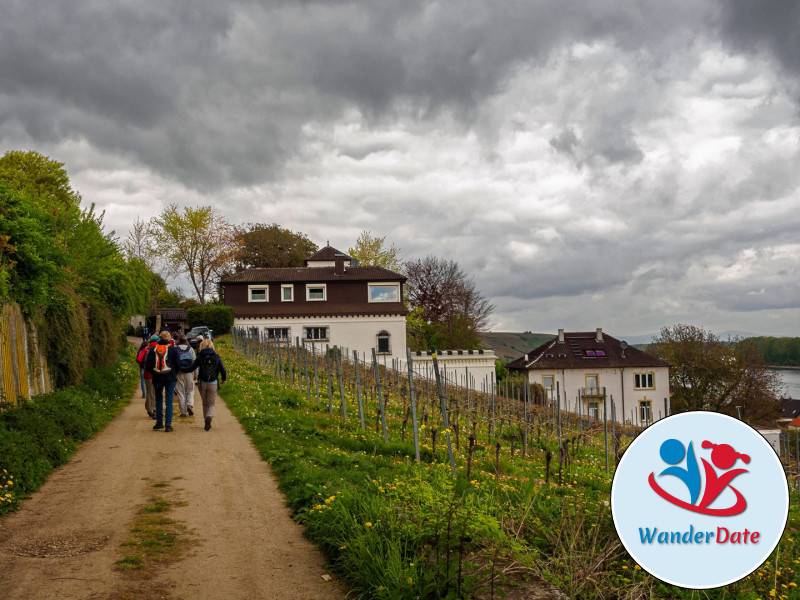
x=149, y=396
x=184, y=389
x=208, y=393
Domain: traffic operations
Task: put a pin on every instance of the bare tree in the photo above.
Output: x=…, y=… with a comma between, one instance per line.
x=139, y=243
x=447, y=298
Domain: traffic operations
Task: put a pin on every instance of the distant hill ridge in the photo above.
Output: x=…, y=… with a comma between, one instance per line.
x=510, y=345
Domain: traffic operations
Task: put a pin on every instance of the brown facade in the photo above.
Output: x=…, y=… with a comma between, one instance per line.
x=346, y=294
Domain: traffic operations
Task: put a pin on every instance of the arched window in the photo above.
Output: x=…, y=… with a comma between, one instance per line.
x=384, y=345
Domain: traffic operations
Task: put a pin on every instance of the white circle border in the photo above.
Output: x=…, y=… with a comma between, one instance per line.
x=786, y=491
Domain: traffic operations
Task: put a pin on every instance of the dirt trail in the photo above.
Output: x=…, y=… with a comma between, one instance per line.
x=65, y=540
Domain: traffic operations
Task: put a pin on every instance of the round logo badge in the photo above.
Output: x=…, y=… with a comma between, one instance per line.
x=699, y=500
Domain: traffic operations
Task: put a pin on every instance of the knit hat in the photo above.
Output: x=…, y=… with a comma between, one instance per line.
x=154, y=338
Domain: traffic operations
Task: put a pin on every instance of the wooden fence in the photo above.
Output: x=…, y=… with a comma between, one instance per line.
x=23, y=366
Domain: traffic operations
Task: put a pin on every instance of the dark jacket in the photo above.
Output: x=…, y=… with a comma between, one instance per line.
x=202, y=373
x=172, y=362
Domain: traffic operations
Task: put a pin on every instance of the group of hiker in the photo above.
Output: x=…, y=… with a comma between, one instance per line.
x=170, y=367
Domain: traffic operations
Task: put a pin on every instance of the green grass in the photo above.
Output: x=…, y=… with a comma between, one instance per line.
x=155, y=538
x=395, y=529
x=43, y=433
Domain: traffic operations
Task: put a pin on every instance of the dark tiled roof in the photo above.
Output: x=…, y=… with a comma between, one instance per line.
x=318, y=309
x=790, y=408
x=312, y=275
x=571, y=354
x=173, y=314
x=328, y=253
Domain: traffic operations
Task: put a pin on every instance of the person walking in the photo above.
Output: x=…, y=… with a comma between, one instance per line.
x=210, y=375
x=184, y=387
x=162, y=362
x=141, y=354
x=149, y=388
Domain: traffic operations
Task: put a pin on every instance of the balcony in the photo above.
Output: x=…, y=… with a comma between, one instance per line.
x=591, y=393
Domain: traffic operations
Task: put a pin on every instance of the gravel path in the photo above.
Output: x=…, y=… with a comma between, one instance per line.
x=65, y=540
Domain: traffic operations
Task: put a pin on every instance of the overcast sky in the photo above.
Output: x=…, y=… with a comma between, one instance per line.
x=597, y=163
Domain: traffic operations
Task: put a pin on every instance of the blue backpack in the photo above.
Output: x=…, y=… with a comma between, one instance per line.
x=185, y=359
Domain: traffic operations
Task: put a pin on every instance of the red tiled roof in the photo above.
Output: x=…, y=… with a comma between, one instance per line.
x=312, y=275
x=572, y=354
x=318, y=309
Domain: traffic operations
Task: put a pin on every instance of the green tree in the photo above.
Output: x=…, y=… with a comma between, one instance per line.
x=197, y=242
x=216, y=316
x=262, y=245
x=371, y=251
x=708, y=374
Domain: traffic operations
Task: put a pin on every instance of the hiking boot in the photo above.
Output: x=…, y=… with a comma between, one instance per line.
x=191, y=412
x=158, y=426
x=168, y=428
x=208, y=423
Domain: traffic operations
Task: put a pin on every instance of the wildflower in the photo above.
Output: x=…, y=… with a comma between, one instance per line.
x=368, y=525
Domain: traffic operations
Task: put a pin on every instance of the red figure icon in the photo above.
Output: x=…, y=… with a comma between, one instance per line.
x=724, y=457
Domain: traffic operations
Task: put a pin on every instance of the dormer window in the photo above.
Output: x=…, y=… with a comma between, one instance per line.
x=316, y=292
x=258, y=293
x=384, y=292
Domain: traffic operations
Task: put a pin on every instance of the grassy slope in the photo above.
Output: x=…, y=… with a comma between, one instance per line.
x=43, y=433
x=394, y=529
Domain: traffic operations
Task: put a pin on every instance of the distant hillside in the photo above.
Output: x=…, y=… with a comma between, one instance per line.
x=509, y=345
x=778, y=351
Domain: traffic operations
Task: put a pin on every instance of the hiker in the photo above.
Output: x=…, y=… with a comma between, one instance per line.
x=162, y=362
x=140, y=361
x=185, y=384
x=149, y=389
x=210, y=375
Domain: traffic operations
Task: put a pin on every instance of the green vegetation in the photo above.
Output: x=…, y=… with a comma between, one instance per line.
x=57, y=262
x=778, y=351
x=396, y=529
x=216, y=316
x=155, y=537
x=42, y=434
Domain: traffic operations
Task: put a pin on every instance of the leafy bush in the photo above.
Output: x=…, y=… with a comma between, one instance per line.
x=41, y=434
x=216, y=316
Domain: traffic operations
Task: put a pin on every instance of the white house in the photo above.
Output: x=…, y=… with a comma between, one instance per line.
x=589, y=369
x=330, y=301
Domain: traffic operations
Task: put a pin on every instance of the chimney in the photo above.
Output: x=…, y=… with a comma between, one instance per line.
x=598, y=336
x=526, y=359
x=338, y=267
x=560, y=336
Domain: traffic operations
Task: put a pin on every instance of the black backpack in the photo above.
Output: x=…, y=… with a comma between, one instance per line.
x=208, y=366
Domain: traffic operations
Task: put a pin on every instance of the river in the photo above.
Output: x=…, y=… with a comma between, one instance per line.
x=791, y=381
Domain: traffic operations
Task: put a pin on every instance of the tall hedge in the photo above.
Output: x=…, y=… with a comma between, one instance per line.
x=216, y=316
x=66, y=272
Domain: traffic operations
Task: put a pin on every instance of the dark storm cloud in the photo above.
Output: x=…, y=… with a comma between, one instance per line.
x=773, y=26
x=214, y=93
x=581, y=159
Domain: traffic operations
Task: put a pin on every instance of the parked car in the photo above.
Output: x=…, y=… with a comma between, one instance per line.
x=195, y=332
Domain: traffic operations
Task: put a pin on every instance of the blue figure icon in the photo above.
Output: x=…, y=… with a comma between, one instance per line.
x=673, y=453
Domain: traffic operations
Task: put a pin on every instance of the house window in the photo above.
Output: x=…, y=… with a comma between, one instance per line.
x=277, y=333
x=594, y=410
x=384, y=292
x=596, y=353
x=592, y=384
x=316, y=292
x=383, y=343
x=316, y=334
x=287, y=293
x=258, y=293
x=644, y=381
x=645, y=411
x=548, y=382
